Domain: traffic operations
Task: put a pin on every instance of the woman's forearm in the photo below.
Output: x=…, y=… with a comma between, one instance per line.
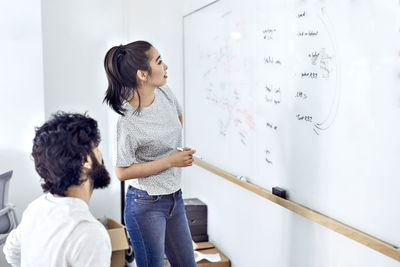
x=144, y=169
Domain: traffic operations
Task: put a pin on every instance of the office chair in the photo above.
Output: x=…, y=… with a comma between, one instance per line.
x=8, y=218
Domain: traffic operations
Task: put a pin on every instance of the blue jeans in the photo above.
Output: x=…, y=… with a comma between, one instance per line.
x=158, y=225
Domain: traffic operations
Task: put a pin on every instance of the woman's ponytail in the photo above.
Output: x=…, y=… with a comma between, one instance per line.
x=121, y=64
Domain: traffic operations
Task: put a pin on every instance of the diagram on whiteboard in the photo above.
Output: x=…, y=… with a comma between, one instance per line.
x=298, y=73
x=262, y=74
x=315, y=90
x=225, y=57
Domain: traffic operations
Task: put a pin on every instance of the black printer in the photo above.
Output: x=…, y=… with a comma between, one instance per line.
x=196, y=212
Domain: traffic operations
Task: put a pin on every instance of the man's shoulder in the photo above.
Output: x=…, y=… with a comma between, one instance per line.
x=90, y=227
x=90, y=232
x=40, y=199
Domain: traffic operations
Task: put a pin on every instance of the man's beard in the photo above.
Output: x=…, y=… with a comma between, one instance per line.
x=98, y=174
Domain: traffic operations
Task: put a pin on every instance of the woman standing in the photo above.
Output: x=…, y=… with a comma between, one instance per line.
x=149, y=130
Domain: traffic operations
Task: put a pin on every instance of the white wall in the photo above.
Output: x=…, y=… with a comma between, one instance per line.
x=22, y=97
x=160, y=23
x=76, y=37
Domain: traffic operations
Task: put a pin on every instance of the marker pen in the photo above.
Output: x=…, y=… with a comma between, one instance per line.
x=181, y=149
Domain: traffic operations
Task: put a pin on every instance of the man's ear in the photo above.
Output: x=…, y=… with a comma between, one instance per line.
x=87, y=165
x=142, y=75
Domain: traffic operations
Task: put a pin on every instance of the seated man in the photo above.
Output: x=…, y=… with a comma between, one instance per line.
x=57, y=229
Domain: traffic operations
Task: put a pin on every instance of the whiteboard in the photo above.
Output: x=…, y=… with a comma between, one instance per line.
x=304, y=95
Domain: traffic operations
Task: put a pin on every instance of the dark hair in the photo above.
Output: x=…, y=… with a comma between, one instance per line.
x=60, y=147
x=121, y=64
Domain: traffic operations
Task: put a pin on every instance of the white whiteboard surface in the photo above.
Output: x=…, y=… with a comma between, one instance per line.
x=304, y=95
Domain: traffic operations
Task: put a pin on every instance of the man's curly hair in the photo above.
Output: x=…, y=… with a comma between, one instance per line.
x=60, y=147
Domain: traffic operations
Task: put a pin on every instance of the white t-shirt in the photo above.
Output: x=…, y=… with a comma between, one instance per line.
x=58, y=232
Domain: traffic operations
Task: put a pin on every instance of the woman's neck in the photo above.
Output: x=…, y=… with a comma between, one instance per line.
x=146, y=97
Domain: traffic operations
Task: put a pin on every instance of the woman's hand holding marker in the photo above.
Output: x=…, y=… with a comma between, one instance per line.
x=183, y=157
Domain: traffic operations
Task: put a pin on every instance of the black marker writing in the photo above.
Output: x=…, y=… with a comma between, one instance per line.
x=312, y=75
x=304, y=118
x=309, y=33
x=268, y=33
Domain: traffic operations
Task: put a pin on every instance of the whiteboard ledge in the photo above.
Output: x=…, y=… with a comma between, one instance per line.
x=341, y=228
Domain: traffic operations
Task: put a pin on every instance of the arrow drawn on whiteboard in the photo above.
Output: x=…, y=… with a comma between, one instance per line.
x=334, y=106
